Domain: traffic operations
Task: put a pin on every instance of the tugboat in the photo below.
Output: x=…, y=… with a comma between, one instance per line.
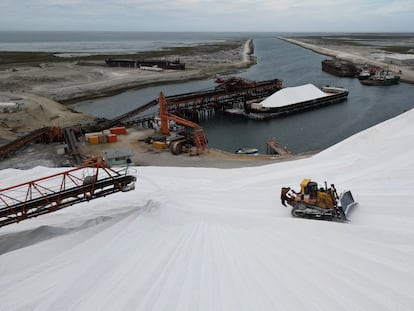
x=247, y=150
x=381, y=77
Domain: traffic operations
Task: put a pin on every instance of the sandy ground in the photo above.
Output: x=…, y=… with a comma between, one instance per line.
x=359, y=55
x=143, y=154
x=35, y=112
x=146, y=155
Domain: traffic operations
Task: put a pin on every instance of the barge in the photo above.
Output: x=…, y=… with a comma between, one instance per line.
x=340, y=68
x=292, y=100
x=135, y=63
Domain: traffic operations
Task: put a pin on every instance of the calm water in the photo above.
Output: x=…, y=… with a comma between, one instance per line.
x=313, y=130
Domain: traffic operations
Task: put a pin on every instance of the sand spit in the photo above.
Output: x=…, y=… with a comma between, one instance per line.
x=69, y=82
x=359, y=55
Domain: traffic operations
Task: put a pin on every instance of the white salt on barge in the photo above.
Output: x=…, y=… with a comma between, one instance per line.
x=292, y=100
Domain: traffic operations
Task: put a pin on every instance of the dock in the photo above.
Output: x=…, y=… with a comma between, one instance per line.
x=272, y=147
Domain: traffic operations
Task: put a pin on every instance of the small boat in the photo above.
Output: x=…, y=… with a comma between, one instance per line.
x=247, y=150
x=381, y=77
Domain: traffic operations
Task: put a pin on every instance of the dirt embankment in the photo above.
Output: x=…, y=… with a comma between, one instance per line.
x=35, y=112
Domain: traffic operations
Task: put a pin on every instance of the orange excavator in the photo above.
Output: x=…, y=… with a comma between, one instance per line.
x=199, y=139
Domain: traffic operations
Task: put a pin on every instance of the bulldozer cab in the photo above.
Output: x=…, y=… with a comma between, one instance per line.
x=311, y=194
x=309, y=187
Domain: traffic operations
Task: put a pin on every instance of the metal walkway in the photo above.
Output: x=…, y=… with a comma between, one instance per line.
x=227, y=94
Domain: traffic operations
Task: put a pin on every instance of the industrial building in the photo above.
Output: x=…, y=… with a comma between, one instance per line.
x=118, y=157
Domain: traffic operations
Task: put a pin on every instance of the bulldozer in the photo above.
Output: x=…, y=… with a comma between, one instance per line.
x=318, y=203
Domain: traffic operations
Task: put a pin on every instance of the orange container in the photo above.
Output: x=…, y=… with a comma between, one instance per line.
x=112, y=138
x=118, y=130
x=93, y=139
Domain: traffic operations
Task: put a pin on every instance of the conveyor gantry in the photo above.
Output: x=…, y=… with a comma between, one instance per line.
x=52, y=193
x=225, y=95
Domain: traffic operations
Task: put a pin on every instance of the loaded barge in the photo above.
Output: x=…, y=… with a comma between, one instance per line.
x=291, y=100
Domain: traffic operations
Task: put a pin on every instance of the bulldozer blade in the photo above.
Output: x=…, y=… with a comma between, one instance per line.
x=347, y=203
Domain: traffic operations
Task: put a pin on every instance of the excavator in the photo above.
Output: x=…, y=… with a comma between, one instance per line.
x=198, y=139
x=318, y=203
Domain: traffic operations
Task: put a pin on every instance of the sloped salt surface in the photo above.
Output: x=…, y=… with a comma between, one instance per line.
x=212, y=239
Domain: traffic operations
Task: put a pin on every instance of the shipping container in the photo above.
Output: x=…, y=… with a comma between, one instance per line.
x=121, y=130
x=112, y=138
x=93, y=139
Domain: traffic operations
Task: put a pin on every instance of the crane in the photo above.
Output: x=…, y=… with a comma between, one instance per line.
x=176, y=147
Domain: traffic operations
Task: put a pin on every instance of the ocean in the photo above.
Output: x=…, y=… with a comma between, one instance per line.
x=308, y=131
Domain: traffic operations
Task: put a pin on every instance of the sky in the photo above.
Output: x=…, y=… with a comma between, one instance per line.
x=209, y=15
x=219, y=239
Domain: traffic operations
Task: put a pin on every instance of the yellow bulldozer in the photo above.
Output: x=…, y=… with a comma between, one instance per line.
x=318, y=203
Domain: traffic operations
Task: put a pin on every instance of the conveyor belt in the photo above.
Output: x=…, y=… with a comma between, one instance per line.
x=33, y=198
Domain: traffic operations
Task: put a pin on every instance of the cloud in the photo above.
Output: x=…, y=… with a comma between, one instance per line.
x=207, y=15
x=396, y=7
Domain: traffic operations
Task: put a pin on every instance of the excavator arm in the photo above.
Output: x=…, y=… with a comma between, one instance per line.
x=200, y=139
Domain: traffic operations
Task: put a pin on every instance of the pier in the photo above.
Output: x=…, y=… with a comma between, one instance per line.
x=272, y=147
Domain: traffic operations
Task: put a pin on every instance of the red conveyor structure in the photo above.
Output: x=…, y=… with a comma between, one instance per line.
x=52, y=193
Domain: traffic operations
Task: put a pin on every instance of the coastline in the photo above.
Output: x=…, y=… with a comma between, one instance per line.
x=359, y=55
x=45, y=107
